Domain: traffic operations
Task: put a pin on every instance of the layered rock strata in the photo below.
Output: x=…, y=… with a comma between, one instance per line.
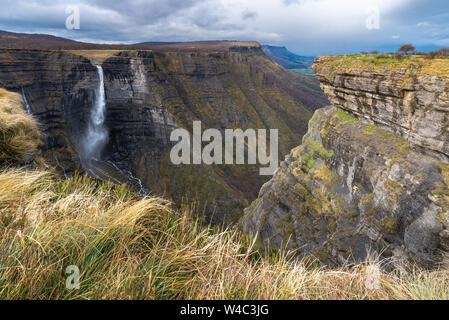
x=370, y=178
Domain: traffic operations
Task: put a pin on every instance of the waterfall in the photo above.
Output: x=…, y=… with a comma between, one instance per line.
x=27, y=105
x=94, y=140
x=97, y=135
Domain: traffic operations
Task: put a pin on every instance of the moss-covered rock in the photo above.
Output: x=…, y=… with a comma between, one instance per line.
x=366, y=190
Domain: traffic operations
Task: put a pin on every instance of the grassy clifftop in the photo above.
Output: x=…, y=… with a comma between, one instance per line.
x=385, y=62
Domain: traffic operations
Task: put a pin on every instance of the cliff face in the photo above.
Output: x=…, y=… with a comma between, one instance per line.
x=409, y=97
x=151, y=92
x=368, y=178
x=59, y=88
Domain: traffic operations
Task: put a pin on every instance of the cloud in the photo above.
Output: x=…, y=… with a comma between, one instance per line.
x=423, y=24
x=289, y=2
x=249, y=15
x=306, y=26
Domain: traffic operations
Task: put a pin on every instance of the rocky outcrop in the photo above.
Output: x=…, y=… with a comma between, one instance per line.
x=409, y=97
x=151, y=92
x=368, y=179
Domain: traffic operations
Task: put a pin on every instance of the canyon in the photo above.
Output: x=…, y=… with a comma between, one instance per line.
x=366, y=173
x=149, y=91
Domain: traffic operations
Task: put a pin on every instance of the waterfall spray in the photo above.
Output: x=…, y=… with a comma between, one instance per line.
x=97, y=135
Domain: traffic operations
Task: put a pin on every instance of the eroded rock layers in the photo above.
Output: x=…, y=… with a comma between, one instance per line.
x=370, y=177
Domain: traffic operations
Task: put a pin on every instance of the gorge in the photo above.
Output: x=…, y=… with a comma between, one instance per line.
x=149, y=92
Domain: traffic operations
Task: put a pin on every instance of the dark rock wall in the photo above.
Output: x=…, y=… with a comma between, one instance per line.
x=60, y=88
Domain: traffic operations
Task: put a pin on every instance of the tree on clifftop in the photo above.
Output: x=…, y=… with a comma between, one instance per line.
x=406, y=48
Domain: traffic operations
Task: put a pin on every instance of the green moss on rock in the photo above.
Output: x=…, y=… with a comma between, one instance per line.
x=389, y=225
x=367, y=199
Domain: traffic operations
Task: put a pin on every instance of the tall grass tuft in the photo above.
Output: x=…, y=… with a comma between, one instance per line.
x=127, y=247
x=19, y=134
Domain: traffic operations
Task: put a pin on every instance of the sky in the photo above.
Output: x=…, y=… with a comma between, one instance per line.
x=306, y=27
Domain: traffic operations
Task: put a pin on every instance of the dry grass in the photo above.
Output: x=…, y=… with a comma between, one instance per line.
x=384, y=63
x=96, y=54
x=138, y=248
x=19, y=134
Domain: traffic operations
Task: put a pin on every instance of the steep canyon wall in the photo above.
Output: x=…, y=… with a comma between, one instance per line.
x=370, y=178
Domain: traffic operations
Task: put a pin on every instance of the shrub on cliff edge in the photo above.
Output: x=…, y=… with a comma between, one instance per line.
x=406, y=48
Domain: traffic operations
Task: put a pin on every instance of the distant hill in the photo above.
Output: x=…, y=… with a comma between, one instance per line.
x=12, y=40
x=37, y=41
x=289, y=60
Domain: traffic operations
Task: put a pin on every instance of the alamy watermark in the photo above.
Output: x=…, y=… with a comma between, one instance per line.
x=372, y=22
x=73, y=20
x=187, y=152
x=372, y=281
x=73, y=280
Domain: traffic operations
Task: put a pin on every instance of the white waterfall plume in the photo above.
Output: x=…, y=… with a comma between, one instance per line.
x=96, y=136
x=27, y=105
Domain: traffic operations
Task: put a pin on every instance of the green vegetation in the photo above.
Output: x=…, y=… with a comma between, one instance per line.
x=396, y=187
x=347, y=117
x=309, y=151
x=325, y=175
x=389, y=225
x=390, y=144
x=19, y=134
x=367, y=199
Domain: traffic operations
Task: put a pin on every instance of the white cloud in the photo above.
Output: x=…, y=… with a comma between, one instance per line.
x=423, y=24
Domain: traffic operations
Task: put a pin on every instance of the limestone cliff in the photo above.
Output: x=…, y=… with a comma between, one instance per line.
x=408, y=96
x=149, y=93
x=371, y=175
